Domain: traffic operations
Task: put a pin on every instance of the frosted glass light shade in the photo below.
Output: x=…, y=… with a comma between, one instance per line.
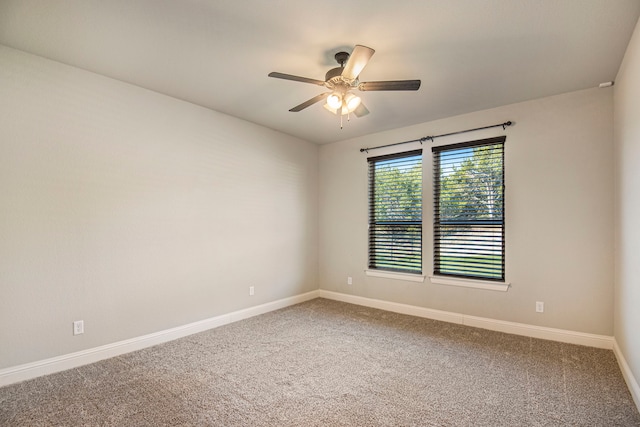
x=334, y=100
x=351, y=102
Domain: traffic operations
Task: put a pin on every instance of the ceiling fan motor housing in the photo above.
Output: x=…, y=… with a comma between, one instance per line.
x=330, y=77
x=333, y=73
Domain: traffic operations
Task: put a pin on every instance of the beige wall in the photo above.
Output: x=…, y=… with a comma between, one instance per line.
x=627, y=244
x=137, y=212
x=559, y=214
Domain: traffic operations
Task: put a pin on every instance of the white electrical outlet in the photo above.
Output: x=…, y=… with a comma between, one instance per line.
x=78, y=327
x=349, y=280
x=539, y=307
x=251, y=290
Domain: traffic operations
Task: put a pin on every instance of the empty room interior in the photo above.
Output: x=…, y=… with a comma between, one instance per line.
x=319, y=213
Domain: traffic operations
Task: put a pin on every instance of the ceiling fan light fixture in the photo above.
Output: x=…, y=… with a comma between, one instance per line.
x=348, y=105
x=331, y=109
x=351, y=101
x=334, y=100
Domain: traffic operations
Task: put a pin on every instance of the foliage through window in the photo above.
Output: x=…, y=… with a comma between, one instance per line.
x=469, y=209
x=395, y=212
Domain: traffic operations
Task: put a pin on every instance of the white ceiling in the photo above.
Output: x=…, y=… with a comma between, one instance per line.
x=469, y=54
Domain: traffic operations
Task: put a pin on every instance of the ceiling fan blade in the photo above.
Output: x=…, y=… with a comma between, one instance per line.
x=390, y=85
x=309, y=102
x=361, y=110
x=296, y=78
x=357, y=61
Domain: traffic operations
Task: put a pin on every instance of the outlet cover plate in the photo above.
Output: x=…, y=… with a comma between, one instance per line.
x=78, y=327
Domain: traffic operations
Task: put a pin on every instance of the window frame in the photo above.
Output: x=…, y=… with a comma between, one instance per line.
x=444, y=277
x=374, y=267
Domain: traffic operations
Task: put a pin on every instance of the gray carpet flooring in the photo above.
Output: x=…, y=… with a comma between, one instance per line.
x=326, y=363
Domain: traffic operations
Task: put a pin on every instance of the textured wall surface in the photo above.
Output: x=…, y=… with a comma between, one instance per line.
x=627, y=144
x=137, y=212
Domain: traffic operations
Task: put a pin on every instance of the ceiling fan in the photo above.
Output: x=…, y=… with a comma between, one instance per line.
x=343, y=79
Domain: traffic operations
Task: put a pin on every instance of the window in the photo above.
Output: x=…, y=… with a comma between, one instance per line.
x=395, y=212
x=468, y=229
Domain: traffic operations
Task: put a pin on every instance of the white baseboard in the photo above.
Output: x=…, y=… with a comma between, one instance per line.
x=631, y=381
x=73, y=360
x=552, y=334
x=60, y=363
x=412, y=310
x=561, y=335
